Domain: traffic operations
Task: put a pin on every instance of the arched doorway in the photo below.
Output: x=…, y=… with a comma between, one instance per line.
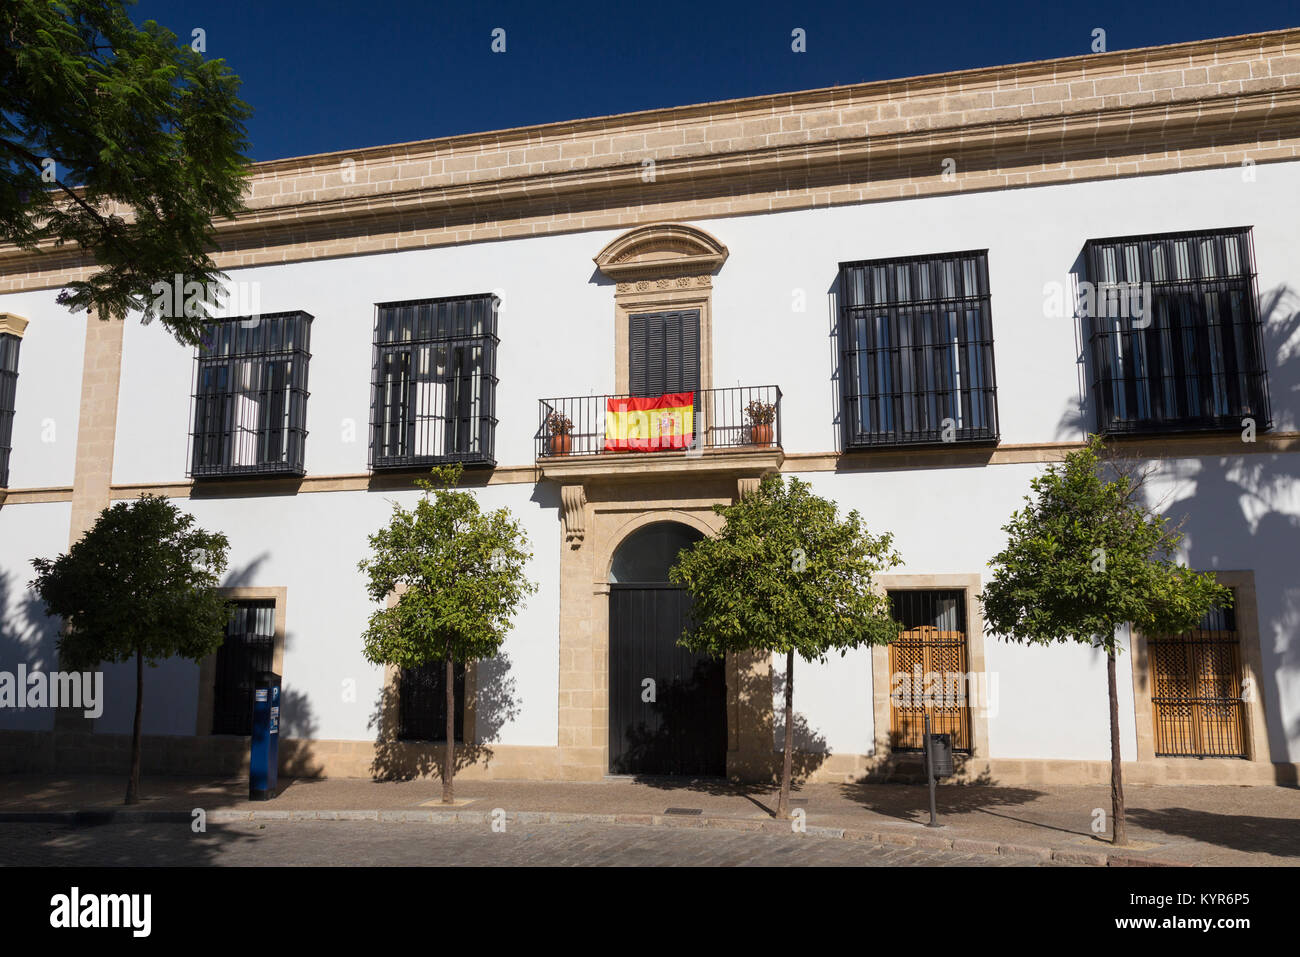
x=667, y=705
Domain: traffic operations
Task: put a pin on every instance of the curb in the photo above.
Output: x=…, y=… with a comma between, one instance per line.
x=1031, y=853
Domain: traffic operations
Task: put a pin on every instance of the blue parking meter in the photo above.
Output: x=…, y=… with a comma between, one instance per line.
x=264, y=747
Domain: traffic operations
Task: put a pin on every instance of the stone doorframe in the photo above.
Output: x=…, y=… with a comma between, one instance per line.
x=880, y=675
x=208, y=666
x=1252, y=668
x=610, y=512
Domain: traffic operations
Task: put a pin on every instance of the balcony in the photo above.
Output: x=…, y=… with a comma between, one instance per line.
x=734, y=430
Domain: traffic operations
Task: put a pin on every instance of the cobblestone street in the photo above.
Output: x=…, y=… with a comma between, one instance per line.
x=369, y=843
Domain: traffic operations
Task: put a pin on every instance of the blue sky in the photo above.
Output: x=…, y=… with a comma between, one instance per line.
x=340, y=74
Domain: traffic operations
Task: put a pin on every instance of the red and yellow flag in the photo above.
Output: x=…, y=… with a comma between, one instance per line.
x=649, y=424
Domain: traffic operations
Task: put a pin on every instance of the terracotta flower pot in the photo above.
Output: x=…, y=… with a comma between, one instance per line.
x=761, y=434
x=561, y=444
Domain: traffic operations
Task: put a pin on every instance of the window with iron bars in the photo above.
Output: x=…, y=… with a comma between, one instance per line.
x=422, y=702
x=248, y=649
x=1196, y=690
x=250, y=396
x=916, y=351
x=928, y=667
x=434, y=382
x=8, y=392
x=1174, y=331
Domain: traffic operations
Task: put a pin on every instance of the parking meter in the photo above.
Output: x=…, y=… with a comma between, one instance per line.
x=264, y=746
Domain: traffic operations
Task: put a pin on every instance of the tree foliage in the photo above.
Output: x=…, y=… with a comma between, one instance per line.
x=142, y=581
x=786, y=574
x=122, y=141
x=1086, y=556
x=460, y=572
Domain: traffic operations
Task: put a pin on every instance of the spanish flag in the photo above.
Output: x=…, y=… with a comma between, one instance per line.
x=649, y=424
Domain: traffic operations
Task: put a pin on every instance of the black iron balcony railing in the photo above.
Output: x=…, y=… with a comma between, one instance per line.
x=738, y=418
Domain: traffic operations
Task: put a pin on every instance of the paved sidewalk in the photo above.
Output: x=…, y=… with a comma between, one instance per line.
x=1175, y=825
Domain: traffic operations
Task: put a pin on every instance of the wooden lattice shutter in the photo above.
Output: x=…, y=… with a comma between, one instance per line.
x=1196, y=690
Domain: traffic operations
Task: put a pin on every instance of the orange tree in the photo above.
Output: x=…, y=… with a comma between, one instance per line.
x=786, y=575
x=1083, y=558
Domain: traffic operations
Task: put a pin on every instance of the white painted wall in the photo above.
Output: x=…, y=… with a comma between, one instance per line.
x=310, y=544
x=48, y=401
x=26, y=635
x=557, y=339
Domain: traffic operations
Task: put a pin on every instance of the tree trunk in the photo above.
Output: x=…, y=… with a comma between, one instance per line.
x=448, y=767
x=133, y=782
x=1118, y=835
x=783, y=802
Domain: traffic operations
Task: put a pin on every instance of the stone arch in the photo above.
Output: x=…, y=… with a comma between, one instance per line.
x=635, y=523
x=661, y=251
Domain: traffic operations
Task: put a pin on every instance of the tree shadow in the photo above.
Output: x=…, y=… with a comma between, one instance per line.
x=28, y=638
x=907, y=802
x=1279, y=837
x=1237, y=511
x=494, y=702
x=298, y=727
x=753, y=773
x=672, y=742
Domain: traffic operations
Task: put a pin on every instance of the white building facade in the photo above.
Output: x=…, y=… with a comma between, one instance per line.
x=903, y=272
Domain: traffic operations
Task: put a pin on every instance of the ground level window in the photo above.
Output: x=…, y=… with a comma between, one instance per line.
x=249, y=648
x=1196, y=697
x=928, y=667
x=422, y=702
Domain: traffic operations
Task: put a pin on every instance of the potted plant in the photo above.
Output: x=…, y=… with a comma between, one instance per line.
x=761, y=416
x=559, y=428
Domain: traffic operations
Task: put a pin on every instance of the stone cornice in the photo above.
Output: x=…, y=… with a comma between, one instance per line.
x=1212, y=96
x=12, y=324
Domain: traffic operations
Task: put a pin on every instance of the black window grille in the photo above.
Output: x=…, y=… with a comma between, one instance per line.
x=929, y=670
x=250, y=396
x=249, y=648
x=1174, y=332
x=1196, y=690
x=422, y=702
x=8, y=392
x=434, y=382
x=916, y=350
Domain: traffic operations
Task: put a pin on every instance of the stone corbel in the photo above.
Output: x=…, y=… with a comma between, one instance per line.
x=573, y=501
x=747, y=486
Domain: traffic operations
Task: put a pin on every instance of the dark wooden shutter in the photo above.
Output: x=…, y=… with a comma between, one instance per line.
x=664, y=353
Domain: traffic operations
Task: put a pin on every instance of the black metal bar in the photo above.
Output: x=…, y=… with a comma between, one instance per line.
x=433, y=394
x=929, y=773
x=733, y=418
x=1193, y=359
x=916, y=349
x=249, y=401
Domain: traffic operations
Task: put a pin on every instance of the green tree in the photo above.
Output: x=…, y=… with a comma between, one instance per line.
x=786, y=575
x=122, y=141
x=458, y=577
x=141, y=583
x=1086, y=556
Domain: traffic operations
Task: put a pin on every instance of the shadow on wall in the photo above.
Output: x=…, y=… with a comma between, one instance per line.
x=755, y=695
x=495, y=703
x=29, y=638
x=1239, y=513
x=298, y=727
